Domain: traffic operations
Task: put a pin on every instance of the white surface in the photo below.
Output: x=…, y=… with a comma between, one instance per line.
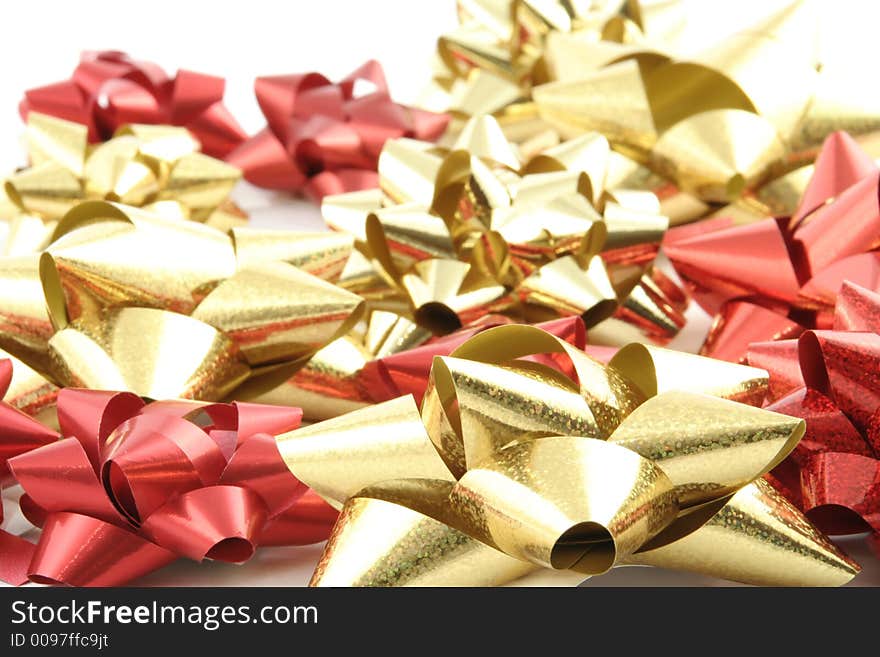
x=241, y=40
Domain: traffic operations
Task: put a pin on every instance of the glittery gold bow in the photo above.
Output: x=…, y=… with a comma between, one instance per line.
x=155, y=167
x=512, y=466
x=455, y=234
x=727, y=103
x=126, y=299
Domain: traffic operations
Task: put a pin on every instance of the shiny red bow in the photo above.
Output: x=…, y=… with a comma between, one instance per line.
x=19, y=433
x=831, y=378
x=109, y=89
x=134, y=486
x=324, y=137
x=777, y=277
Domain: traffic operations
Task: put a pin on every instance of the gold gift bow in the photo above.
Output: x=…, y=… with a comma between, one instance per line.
x=125, y=299
x=725, y=116
x=156, y=167
x=458, y=233
x=513, y=466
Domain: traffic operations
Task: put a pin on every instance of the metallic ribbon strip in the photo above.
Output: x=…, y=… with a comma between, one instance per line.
x=829, y=378
x=516, y=463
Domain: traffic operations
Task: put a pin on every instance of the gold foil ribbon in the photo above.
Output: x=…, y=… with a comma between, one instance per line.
x=159, y=168
x=30, y=392
x=512, y=465
x=125, y=298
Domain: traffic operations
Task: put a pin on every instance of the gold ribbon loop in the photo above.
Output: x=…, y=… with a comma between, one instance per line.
x=120, y=353
x=277, y=313
x=54, y=140
x=490, y=407
x=47, y=189
x=655, y=371
x=403, y=235
x=610, y=396
x=144, y=166
x=407, y=547
x=407, y=171
x=339, y=457
x=693, y=437
x=347, y=212
x=442, y=299
x=564, y=286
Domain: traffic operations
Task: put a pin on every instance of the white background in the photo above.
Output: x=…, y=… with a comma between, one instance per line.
x=246, y=38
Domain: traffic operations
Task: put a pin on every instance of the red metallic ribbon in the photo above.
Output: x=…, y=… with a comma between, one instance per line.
x=19, y=433
x=134, y=486
x=109, y=89
x=407, y=372
x=324, y=137
x=831, y=378
x=775, y=278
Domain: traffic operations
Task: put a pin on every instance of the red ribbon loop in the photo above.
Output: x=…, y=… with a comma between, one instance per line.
x=135, y=486
x=831, y=378
x=325, y=138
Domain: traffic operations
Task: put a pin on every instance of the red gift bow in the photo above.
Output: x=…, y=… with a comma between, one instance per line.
x=109, y=89
x=777, y=277
x=325, y=138
x=134, y=486
x=19, y=433
x=831, y=378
